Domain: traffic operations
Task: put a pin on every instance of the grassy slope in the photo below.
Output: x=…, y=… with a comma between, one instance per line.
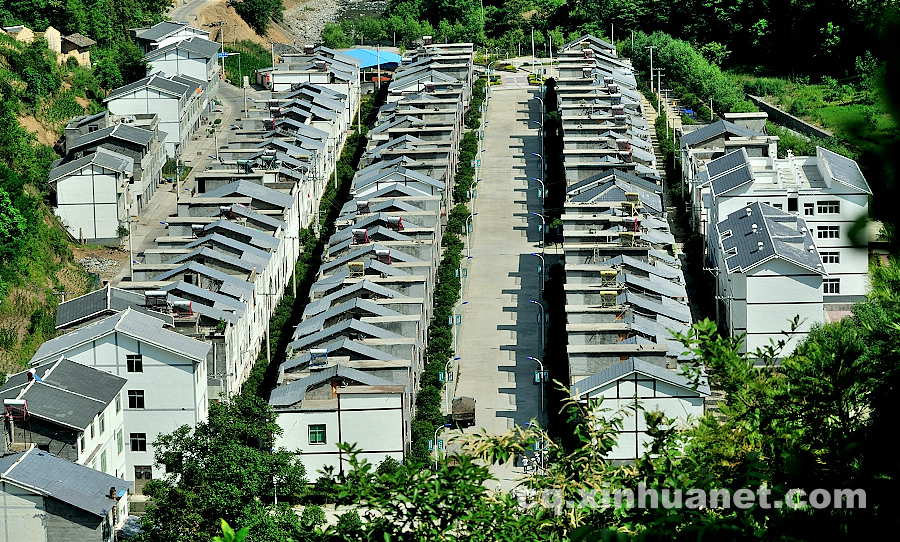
x=27, y=307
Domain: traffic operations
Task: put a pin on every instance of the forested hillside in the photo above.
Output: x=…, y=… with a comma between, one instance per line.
x=37, y=97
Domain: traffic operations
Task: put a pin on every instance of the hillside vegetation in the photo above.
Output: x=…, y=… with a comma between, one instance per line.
x=37, y=97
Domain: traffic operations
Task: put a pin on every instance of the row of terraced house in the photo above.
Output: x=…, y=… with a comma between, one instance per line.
x=142, y=357
x=624, y=287
x=357, y=355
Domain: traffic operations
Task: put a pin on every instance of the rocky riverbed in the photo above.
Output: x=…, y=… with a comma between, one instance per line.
x=306, y=19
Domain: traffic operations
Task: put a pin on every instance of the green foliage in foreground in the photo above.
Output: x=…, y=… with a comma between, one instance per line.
x=824, y=417
x=224, y=468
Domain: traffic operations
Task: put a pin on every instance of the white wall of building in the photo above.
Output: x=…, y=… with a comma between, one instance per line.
x=90, y=202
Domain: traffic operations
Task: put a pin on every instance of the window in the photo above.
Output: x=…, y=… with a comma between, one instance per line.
x=792, y=205
x=809, y=209
x=118, y=403
x=138, y=442
x=725, y=235
x=135, y=398
x=831, y=207
x=831, y=257
x=135, y=363
x=143, y=472
x=92, y=429
x=776, y=205
x=828, y=232
x=831, y=286
x=317, y=433
x=103, y=461
x=120, y=441
x=102, y=417
x=81, y=443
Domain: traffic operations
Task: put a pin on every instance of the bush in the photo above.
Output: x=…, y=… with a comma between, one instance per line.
x=258, y=13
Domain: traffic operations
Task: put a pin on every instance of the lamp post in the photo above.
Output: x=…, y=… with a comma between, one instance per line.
x=541, y=156
x=541, y=314
x=436, y=431
x=543, y=230
x=468, y=230
x=540, y=126
x=540, y=454
x=651, y=47
x=541, y=271
x=541, y=368
x=447, y=379
x=543, y=188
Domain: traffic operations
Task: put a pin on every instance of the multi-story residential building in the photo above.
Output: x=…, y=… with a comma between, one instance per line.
x=70, y=410
x=165, y=372
x=93, y=199
x=143, y=145
x=178, y=101
x=165, y=33
x=828, y=191
x=44, y=498
x=195, y=57
x=770, y=277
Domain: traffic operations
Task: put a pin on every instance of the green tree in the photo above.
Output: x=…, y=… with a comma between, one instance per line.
x=223, y=469
x=333, y=36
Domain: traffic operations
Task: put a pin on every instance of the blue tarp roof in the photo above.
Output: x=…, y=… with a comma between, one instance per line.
x=368, y=57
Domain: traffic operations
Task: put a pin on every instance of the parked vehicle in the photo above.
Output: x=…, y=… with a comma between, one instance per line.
x=463, y=411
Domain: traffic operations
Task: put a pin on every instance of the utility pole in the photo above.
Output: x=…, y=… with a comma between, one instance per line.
x=612, y=33
x=533, y=57
x=651, y=47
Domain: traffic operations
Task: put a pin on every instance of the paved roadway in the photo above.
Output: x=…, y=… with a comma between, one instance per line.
x=197, y=152
x=499, y=326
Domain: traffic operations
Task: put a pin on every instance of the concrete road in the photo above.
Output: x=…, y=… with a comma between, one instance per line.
x=499, y=325
x=197, y=155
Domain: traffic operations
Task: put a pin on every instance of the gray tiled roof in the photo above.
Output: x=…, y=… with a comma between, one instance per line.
x=844, y=170
x=69, y=393
x=294, y=392
x=124, y=132
x=197, y=47
x=156, y=82
x=160, y=30
x=229, y=285
x=351, y=327
x=224, y=303
x=104, y=158
x=131, y=323
x=358, y=307
x=250, y=236
x=98, y=302
x=633, y=365
x=76, y=485
x=714, y=130
x=726, y=162
x=252, y=190
x=781, y=234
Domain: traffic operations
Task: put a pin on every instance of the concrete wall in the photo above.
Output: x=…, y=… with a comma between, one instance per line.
x=22, y=515
x=787, y=120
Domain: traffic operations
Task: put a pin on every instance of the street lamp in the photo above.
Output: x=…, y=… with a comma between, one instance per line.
x=469, y=227
x=541, y=270
x=543, y=230
x=540, y=132
x=543, y=189
x=540, y=453
x=436, y=431
x=541, y=156
x=541, y=379
x=447, y=378
x=541, y=334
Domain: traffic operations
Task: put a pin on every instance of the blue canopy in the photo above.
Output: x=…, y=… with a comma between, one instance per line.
x=368, y=58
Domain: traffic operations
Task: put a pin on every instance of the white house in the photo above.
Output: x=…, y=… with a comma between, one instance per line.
x=44, y=498
x=166, y=373
x=92, y=194
x=165, y=33
x=633, y=387
x=177, y=102
x=195, y=57
x=828, y=190
x=70, y=410
x=339, y=404
x=769, y=273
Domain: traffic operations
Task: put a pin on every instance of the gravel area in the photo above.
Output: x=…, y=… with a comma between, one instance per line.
x=98, y=265
x=307, y=20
